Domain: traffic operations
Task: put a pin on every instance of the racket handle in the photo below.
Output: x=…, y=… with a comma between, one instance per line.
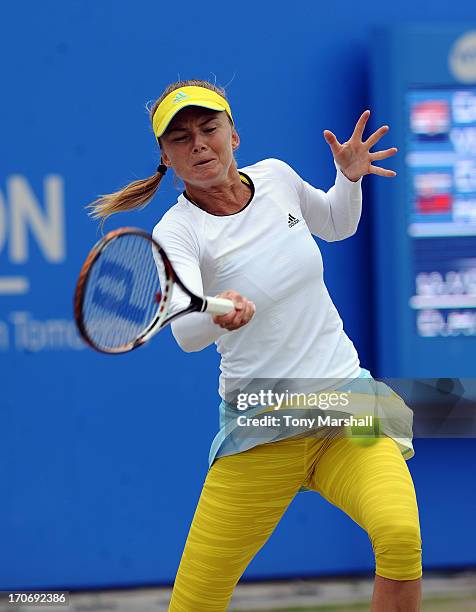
x=218, y=306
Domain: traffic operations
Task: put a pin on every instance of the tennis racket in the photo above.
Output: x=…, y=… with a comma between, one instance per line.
x=124, y=292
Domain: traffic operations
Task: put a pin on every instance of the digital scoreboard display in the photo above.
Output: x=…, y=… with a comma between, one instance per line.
x=441, y=197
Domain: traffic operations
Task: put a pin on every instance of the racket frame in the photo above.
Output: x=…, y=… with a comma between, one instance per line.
x=197, y=303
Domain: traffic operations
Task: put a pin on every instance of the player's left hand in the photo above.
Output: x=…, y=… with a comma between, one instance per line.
x=354, y=157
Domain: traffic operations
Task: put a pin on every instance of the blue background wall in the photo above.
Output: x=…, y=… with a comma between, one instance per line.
x=94, y=492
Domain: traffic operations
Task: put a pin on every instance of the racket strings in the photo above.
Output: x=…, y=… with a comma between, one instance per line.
x=119, y=302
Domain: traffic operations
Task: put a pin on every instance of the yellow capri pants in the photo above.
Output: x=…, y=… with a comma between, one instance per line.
x=245, y=495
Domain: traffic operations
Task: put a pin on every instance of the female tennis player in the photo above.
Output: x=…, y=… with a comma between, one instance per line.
x=246, y=235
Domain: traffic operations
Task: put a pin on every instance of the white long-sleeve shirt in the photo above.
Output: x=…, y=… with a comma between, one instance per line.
x=296, y=338
x=266, y=252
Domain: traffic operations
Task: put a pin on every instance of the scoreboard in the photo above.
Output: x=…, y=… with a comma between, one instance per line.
x=424, y=87
x=441, y=170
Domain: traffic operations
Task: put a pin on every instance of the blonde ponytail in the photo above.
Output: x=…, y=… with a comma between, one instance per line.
x=136, y=195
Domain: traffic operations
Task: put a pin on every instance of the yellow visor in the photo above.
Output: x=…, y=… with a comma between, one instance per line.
x=186, y=96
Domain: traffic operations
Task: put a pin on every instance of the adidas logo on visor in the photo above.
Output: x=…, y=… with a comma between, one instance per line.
x=179, y=97
x=292, y=220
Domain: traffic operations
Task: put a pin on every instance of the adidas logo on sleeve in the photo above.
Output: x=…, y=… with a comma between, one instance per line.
x=292, y=220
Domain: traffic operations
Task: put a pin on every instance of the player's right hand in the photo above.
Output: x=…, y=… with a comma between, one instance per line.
x=243, y=313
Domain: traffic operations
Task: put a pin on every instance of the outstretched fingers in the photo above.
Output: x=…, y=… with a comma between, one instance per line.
x=376, y=136
x=378, y=155
x=383, y=154
x=332, y=141
x=381, y=171
x=360, y=126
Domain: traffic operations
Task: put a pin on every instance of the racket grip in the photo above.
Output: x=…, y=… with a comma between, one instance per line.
x=218, y=306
